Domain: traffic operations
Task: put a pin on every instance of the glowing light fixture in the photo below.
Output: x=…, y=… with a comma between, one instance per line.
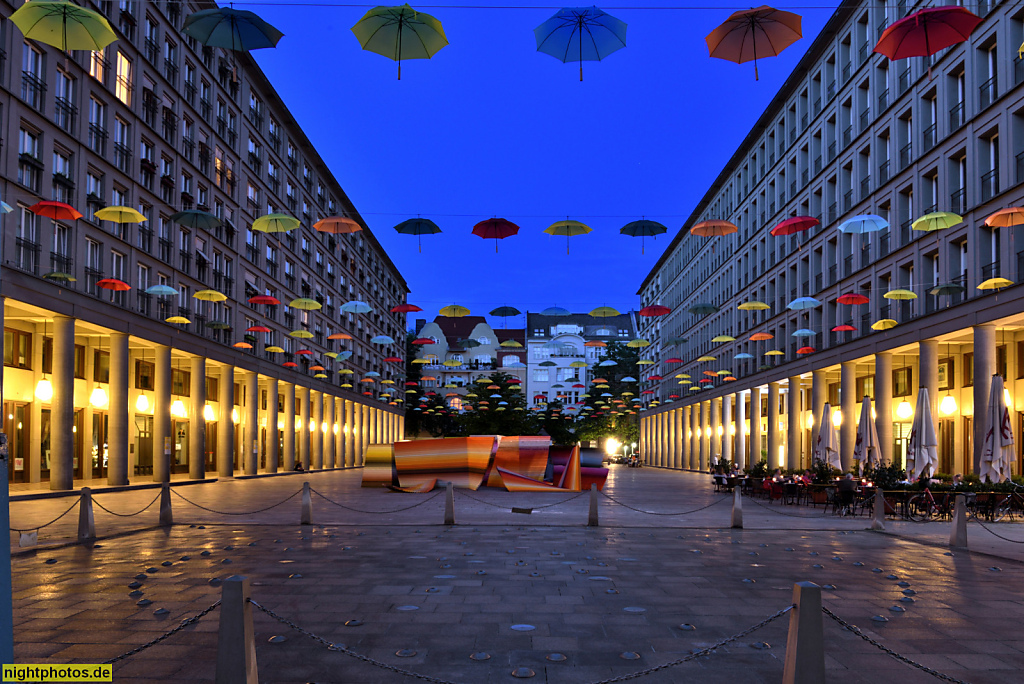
x=337, y=428
x=1006, y=397
x=142, y=403
x=280, y=423
x=837, y=417
x=720, y=431
x=948, y=405
x=324, y=428
x=732, y=429
x=98, y=398
x=611, y=445
x=208, y=414
x=810, y=420
x=178, y=409
x=234, y=416
x=44, y=390
x=298, y=423
x=904, y=410
x=312, y=425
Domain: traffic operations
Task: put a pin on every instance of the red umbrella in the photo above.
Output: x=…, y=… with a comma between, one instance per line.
x=304, y=352
x=844, y=328
x=392, y=359
x=58, y=211
x=795, y=224
x=517, y=381
x=852, y=298
x=655, y=377
x=411, y=384
x=655, y=310
x=647, y=392
x=405, y=308
x=749, y=34
x=805, y=350
x=673, y=360
x=258, y=329
x=927, y=31
x=338, y=225
x=368, y=394
x=707, y=380
x=113, y=284
x=578, y=386
x=671, y=396
x=496, y=228
x=264, y=299
x=423, y=340
x=290, y=364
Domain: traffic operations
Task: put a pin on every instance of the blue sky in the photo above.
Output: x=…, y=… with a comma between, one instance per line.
x=491, y=127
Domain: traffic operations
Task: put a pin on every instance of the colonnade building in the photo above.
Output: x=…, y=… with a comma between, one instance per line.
x=851, y=133
x=96, y=383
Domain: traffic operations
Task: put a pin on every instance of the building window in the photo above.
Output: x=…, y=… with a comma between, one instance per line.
x=123, y=87
x=541, y=375
x=32, y=84
x=968, y=369
x=181, y=382
x=100, y=366
x=30, y=165
x=97, y=65
x=145, y=372
x=17, y=348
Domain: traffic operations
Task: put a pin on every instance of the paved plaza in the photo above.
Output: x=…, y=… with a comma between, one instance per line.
x=538, y=590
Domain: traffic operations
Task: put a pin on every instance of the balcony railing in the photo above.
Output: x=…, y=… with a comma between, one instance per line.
x=1019, y=160
x=905, y=232
x=27, y=255
x=1018, y=70
x=165, y=250
x=883, y=100
x=883, y=172
x=989, y=185
x=848, y=135
x=152, y=50
x=883, y=244
x=65, y=114
x=847, y=200
x=990, y=270
x=956, y=116
x=143, y=302
x=185, y=261
x=906, y=154
x=865, y=187
x=928, y=141
x=144, y=239
x=123, y=158
x=32, y=89
x=958, y=201
x=903, y=82
x=987, y=92
x=97, y=139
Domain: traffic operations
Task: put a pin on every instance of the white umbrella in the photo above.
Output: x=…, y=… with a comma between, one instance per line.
x=826, y=446
x=923, y=448
x=866, y=449
x=997, y=452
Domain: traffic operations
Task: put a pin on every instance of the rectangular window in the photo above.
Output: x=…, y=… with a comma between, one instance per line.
x=946, y=373
x=97, y=65
x=17, y=348
x=901, y=381
x=100, y=366
x=181, y=382
x=123, y=87
x=969, y=369
x=145, y=372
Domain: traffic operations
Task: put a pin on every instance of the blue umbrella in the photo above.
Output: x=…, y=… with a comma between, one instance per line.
x=803, y=303
x=230, y=29
x=356, y=307
x=865, y=223
x=743, y=355
x=161, y=290
x=580, y=34
x=804, y=332
x=345, y=355
x=555, y=311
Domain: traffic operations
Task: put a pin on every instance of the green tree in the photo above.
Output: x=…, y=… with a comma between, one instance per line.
x=623, y=427
x=486, y=418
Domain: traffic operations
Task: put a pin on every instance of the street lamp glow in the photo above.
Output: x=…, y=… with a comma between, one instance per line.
x=837, y=418
x=720, y=431
x=810, y=420
x=312, y=425
x=904, y=410
x=98, y=398
x=234, y=416
x=142, y=403
x=611, y=445
x=178, y=409
x=948, y=405
x=44, y=390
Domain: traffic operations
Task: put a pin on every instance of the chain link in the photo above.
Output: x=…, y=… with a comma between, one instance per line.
x=778, y=512
x=126, y=515
x=640, y=510
x=856, y=630
x=184, y=623
x=466, y=494
x=357, y=510
x=39, y=527
x=993, y=532
x=210, y=510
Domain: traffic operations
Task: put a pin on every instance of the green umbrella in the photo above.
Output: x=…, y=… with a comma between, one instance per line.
x=400, y=32
x=703, y=309
x=196, y=219
x=417, y=227
x=230, y=29
x=64, y=25
x=948, y=289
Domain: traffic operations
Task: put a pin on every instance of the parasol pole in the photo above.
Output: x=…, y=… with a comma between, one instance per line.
x=753, y=38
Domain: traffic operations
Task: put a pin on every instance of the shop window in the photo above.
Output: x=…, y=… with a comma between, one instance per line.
x=865, y=387
x=212, y=388
x=145, y=372
x=181, y=383
x=17, y=349
x=100, y=366
x=1001, y=360
x=946, y=373
x=901, y=381
x=48, y=358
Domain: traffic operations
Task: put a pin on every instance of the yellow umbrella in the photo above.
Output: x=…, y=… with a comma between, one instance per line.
x=346, y=371
x=604, y=312
x=995, y=284
x=181, y=320
x=723, y=338
x=420, y=361
x=454, y=311
x=707, y=358
x=685, y=382
x=345, y=385
x=301, y=334
x=937, y=220
x=568, y=229
x=332, y=355
x=451, y=363
x=578, y=364
x=387, y=382
x=320, y=375
x=511, y=344
x=638, y=343
x=724, y=372
x=209, y=296
x=119, y=214
x=274, y=349
x=483, y=381
x=304, y=304
x=682, y=375
x=884, y=324
x=645, y=362
x=900, y=294
x=695, y=389
x=753, y=306
x=275, y=223
x=410, y=391
x=774, y=352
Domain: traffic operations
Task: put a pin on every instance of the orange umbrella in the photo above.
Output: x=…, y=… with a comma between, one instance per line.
x=1006, y=218
x=337, y=225
x=749, y=34
x=339, y=336
x=757, y=337
x=713, y=228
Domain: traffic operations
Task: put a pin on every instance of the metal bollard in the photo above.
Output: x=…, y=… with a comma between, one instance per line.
x=879, y=521
x=958, y=528
x=805, y=645
x=307, y=505
x=166, y=515
x=449, y=505
x=592, y=518
x=86, y=523
x=737, y=508
x=236, y=640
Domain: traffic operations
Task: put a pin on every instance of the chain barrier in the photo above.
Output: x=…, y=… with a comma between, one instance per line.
x=210, y=510
x=357, y=510
x=640, y=510
x=993, y=532
x=126, y=515
x=462, y=492
x=778, y=512
x=39, y=527
x=856, y=630
x=184, y=623
x=331, y=646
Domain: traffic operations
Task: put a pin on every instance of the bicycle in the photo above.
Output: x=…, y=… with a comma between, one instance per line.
x=1009, y=507
x=923, y=507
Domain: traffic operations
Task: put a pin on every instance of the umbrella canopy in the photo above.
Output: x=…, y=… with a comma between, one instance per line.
x=580, y=34
x=304, y=304
x=231, y=29
x=512, y=344
x=505, y=311
x=555, y=311
x=119, y=214
x=301, y=334
x=795, y=224
x=179, y=320
x=743, y=355
x=257, y=329
x=275, y=223
x=356, y=307
x=638, y=343
x=346, y=336
x=382, y=339
x=58, y=211
x=405, y=308
x=194, y=219
x=723, y=338
x=937, y=220
x=753, y=306
x=884, y=324
x=844, y=328
x=263, y=299
x=926, y=32
x=826, y=444
x=923, y=447
x=113, y=284
x=703, y=309
x=804, y=332
x=454, y=311
x=852, y=298
x=801, y=303
x=642, y=229
x=761, y=337
x=210, y=296
x=64, y=25
x=496, y=229
x=568, y=229
x=900, y=294
x=997, y=455
x=1006, y=218
x=865, y=223
x=604, y=312
x=749, y=34
x=242, y=345
x=713, y=228
x=400, y=33
x=947, y=289
x=161, y=290
x=417, y=227
x=995, y=284
x=867, y=449
x=337, y=225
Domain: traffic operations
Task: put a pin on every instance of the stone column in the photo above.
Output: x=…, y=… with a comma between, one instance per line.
x=727, y=428
x=848, y=399
x=693, y=419
x=162, y=414
x=226, y=429
x=793, y=459
x=755, y=426
x=705, y=435
x=197, y=426
x=984, y=369
x=344, y=451
x=273, y=432
x=645, y=441
x=678, y=460
x=62, y=405
x=401, y=426
x=670, y=453
x=118, y=410
x=819, y=390
x=661, y=438
x=928, y=367
x=774, y=438
x=716, y=424
x=364, y=432
x=741, y=430
x=351, y=420
x=883, y=405
x=316, y=436
x=339, y=435
x=302, y=425
x=329, y=435
x=251, y=429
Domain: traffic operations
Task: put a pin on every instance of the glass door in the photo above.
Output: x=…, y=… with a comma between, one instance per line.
x=16, y=425
x=179, y=464
x=211, y=447
x=946, y=446
x=99, y=452
x=143, y=445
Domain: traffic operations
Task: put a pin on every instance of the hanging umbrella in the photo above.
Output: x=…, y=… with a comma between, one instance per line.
x=638, y=343
x=290, y=364
x=900, y=294
x=801, y=303
x=194, y=219
x=707, y=357
x=937, y=220
x=405, y=308
x=58, y=211
x=242, y=345
x=884, y=324
x=356, y=307
x=713, y=228
x=264, y=299
x=804, y=332
x=275, y=223
x=826, y=444
x=161, y=291
x=743, y=355
x=257, y=329
x=344, y=336
x=865, y=223
x=844, y=328
x=1006, y=218
x=555, y=311
x=761, y=336
x=60, y=275
x=382, y=339
x=496, y=229
x=580, y=34
x=454, y=311
x=63, y=25
x=505, y=312
x=654, y=310
x=423, y=340
x=604, y=312
x=607, y=363
x=5, y=208
x=805, y=350
x=209, y=296
x=301, y=334
x=703, y=309
x=179, y=320
x=947, y=289
x=923, y=447
x=119, y=214
x=642, y=229
x=995, y=284
x=113, y=284
x=511, y=344
x=795, y=224
x=400, y=33
x=673, y=359
x=753, y=306
x=774, y=352
x=997, y=455
x=337, y=225
x=231, y=29
x=344, y=356
x=418, y=227
x=568, y=229
x=305, y=304
x=926, y=32
x=723, y=338
x=303, y=352
x=749, y=34
x=852, y=298
x=866, y=450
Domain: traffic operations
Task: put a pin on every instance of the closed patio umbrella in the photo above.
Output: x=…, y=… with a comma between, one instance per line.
x=997, y=451
x=826, y=444
x=923, y=448
x=866, y=450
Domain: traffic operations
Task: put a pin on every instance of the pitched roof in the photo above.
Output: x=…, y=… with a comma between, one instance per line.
x=517, y=334
x=589, y=323
x=458, y=328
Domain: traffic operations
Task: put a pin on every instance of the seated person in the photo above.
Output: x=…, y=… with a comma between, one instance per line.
x=777, y=475
x=958, y=481
x=847, y=484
